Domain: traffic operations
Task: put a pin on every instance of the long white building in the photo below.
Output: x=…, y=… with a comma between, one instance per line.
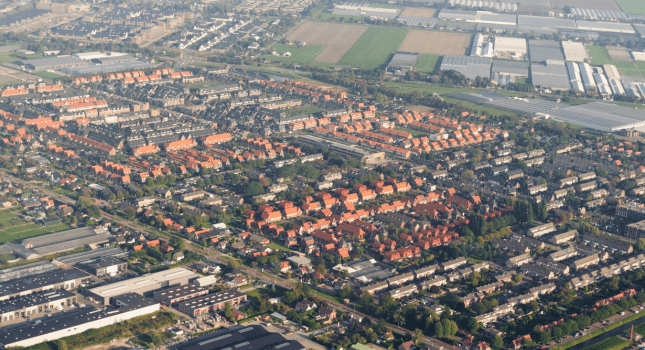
x=127, y=307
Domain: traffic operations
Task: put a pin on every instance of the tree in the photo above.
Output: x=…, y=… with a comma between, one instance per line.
x=417, y=337
x=321, y=269
x=254, y=189
x=346, y=292
x=517, y=278
x=640, y=245
x=533, y=306
x=497, y=342
x=228, y=312
x=156, y=339
x=438, y=330
x=233, y=264
x=61, y=344
x=543, y=337
x=130, y=213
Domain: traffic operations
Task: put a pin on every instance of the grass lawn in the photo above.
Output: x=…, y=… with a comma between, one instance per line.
x=485, y=110
x=427, y=63
x=302, y=110
x=520, y=80
x=612, y=343
x=301, y=54
x=374, y=47
x=321, y=64
x=603, y=330
x=630, y=72
x=632, y=7
x=278, y=247
x=20, y=232
x=426, y=88
x=414, y=133
x=9, y=83
x=48, y=75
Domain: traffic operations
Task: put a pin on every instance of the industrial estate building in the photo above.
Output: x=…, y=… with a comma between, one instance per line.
x=129, y=305
x=146, y=283
x=107, y=266
x=242, y=338
x=211, y=302
x=178, y=294
x=34, y=304
x=58, y=279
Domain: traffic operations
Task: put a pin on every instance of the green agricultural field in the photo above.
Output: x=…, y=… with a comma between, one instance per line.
x=612, y=343
x=374, y=47
x=321, y=64
x=48, y=75
x=427, y=63
x=13, y=228
x=632, y=7
x=599, y=55
x=302, y=54
x=630, y=72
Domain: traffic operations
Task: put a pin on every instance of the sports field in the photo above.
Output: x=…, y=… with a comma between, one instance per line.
x=374, y=48
x=335, y=37
x=427, y=63
x=13, y=228
x=632, y=7
x=438, y=43
x=302, y=54
x=419, y=12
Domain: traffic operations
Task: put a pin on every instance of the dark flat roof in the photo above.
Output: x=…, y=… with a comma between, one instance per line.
x=212, y=299
x=179, y=291
x=38, y=281
x=243, y=338
x=35, y=299
x=105, y=262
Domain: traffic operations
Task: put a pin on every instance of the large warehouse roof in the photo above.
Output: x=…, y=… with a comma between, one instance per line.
x=574, y=51
x=471, y=67
x=601, y=116
x=606, y=27
x=53, y=62
x=403, y=60
x=505, y=44
x=107, y=68
x=146, y=281
x=542, y=50
x=551, y=74
x=511, y=67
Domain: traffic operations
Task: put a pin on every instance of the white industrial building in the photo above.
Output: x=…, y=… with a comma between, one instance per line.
x=574, y=51
x=605, y=27
x=574, y=77
x=587, y=77
x=510, y=47
x=602, y=84
x=638, y=56
x=613, y=77
x=128, y=306
x=146, y=283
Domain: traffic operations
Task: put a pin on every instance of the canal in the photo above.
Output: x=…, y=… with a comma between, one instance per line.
x=616, y=331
